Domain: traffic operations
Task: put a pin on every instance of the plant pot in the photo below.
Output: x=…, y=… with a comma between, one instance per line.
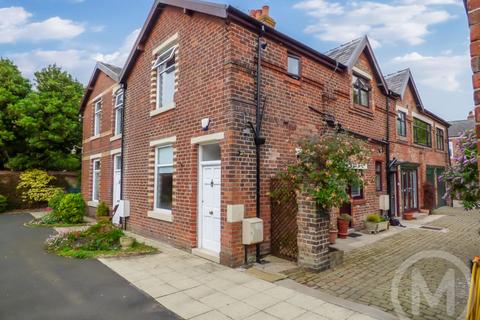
x=372, y=227
x=382, y=226
x=333, y=236
x=343, y=226
x=126, y=242
x=408, y=216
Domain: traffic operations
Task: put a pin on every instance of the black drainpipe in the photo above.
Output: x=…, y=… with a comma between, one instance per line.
x=259, y=141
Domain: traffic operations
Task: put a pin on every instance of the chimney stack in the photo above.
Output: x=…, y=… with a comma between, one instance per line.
x=471, y=116
x=263, y=15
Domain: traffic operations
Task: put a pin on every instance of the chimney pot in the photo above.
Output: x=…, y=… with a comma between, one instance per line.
x=266, y=10
x=471, y=116
x=263, y=15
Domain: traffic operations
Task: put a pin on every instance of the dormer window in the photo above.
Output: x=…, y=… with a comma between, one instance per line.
x=294, y=66
x=165, y=67
x=361, y=91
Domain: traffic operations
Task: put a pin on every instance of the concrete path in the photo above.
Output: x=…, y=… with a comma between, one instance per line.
x=198, y=289
x=37, y=285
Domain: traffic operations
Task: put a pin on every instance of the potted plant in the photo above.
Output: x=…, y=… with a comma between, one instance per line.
x=343, y=222
x=376, y=223
x=408, y=215
x=103, y=213
x=333, y=232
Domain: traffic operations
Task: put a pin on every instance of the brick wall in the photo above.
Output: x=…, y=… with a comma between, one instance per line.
x=104, y=88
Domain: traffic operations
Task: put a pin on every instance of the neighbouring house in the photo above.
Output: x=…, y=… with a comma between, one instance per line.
x=102, y=113
x=456, y=130
x=216, y=102
x=419, y=148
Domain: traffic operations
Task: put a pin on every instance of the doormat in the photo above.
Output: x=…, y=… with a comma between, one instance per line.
x=354, y=235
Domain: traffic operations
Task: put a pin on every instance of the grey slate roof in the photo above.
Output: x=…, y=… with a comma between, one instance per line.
x=344, y=52
x=458, y=127
x=397, y=82
x=111, y=70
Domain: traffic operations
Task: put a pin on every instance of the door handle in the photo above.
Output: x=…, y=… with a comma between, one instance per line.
x=211, y=213
x=212, y=184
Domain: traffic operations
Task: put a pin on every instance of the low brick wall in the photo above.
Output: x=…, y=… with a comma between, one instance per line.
x=9, y=181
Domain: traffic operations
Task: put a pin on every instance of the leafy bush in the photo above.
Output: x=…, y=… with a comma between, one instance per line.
x=374, y=218
x=71, y=208
x=3, y=203
x=55, y=200
x=345, y=217
x=36, y=186
x=102, y=210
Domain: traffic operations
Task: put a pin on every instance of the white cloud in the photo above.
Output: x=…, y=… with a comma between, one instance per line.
x=408, y=21
x=442, y=72
x=120, y=56
x=80, y=63
x=15, y=25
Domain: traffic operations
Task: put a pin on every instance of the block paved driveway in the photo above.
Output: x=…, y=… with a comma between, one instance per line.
x=367, y=273
x=37, y=285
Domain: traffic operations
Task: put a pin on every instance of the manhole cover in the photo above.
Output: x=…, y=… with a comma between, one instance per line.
x=431, y=228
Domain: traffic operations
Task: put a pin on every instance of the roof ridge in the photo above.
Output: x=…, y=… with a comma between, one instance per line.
x=345, y=44
x=396, y=72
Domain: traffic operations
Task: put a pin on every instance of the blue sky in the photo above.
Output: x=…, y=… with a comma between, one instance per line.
x=429, y=36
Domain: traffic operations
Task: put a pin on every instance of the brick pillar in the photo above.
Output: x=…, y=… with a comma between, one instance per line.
x=473, y=9
x=312, y=238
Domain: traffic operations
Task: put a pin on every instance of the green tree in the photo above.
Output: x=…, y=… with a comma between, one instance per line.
x=48, y=122
x=13, y=88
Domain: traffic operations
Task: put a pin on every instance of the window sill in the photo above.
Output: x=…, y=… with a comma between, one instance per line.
x=162, y=110
x=93, y=204
x=116, y=137
x=162, y=215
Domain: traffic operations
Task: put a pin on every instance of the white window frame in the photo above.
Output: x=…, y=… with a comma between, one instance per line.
x=160, y=66
x=157, y=166
x=117, y=160
x=292, y=58
x=118, y=109
x=97, y=118
x=96, y=180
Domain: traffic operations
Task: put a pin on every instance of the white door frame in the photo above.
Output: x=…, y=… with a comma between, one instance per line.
x=115, y=171
x=201, y=165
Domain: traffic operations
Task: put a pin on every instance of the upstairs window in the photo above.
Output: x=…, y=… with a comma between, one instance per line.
x=294, y=66
x=97, y=118
x=401, y=123
x=378, y=176
x=119, y=98
x=440, y=140
x=422, y=133
x=165, y=67
x=361, y=91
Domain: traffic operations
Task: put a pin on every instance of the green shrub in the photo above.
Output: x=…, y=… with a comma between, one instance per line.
x=36, y=186
x=102, y=210
x=55, y=200
x=374, y=218
x=71, y=208
x=3, y=203
x=345, y=217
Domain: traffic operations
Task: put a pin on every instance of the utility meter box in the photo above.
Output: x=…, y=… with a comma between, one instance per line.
x=252, y=231
x=123, y=211
x=384, y=202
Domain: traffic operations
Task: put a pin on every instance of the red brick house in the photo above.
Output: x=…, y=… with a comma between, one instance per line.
x=102, y=113
x=215, y=103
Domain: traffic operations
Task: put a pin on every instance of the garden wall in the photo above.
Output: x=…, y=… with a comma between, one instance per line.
x=9, y=180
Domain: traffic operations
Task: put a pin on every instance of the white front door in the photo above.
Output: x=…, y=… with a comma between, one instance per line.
x=209, y=228
x=117, y=176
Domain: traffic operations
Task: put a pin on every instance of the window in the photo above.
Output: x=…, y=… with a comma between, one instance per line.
x=119, y=97
x=164, y=179
x=96, y=180
x=356, y=192
x=422, y=133
x=165, y=66
x=378, y=176
x=401, y=123
x=361, y=90
x=294, y=66
x=440, y=140
x=97, y=118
